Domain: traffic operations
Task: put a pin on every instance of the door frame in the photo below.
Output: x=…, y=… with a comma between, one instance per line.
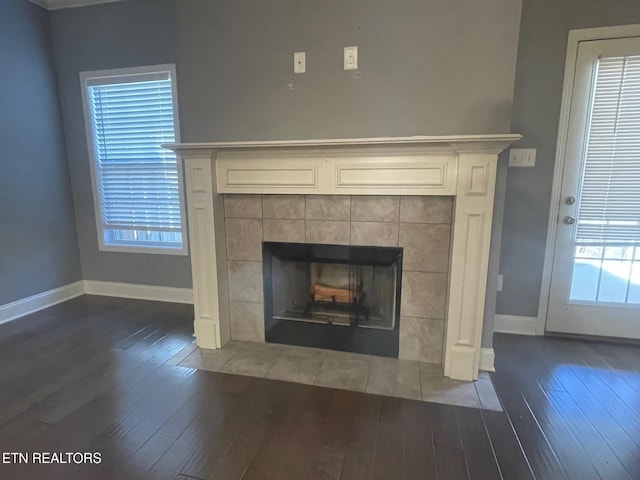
x=575, y=37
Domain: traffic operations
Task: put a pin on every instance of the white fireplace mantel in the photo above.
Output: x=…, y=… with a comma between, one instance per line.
x=462, y=166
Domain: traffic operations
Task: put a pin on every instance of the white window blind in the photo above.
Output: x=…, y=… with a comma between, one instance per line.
x=609, y=211
x=137, y=181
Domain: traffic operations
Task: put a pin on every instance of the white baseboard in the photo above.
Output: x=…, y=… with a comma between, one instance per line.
x=487, y=357
x=139, y=292
x=25, y=306
x=515, y=324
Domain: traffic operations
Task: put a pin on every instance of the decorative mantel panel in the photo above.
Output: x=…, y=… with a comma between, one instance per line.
x=459, y=166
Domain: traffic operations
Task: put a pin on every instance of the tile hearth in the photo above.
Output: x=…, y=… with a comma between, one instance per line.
x=346, y=371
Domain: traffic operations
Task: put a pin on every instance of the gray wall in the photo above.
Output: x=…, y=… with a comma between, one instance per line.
x=536, y=111
x=425, y=67
x=114, y=35
x=38, y=247
x=436, y=67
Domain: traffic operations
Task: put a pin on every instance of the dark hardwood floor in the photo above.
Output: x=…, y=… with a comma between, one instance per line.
x=90, y=375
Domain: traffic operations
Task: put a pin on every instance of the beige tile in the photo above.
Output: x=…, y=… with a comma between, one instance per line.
x=328, y=207
x=182, y=354
x=247, y=321
x=425, y=209
x=374, y=233
x=294, y=368
x=340, y=356
x=283, y=231
x=431, y=371
x=212, y=360
x=375, y=208
x=423, y=294
x=253, y=362
x=261, y=345
x=283, y=206
x=426, y=247
x=323, y=231
x=487, y=395
x=242, y=206
x=343, y=374
x=304, y=352
x=440, y=389
x=394, y=378
x=244, y=239
x=236, y=344
x=245, y=281
x=421, y=339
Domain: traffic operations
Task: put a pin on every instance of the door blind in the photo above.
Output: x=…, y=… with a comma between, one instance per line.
x=609, y=210
x=137, y=179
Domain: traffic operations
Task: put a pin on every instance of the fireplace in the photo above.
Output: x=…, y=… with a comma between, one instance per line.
x=450, y=308
x=333, y=296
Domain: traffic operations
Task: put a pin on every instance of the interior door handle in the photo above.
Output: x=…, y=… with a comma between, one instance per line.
x=569, y=220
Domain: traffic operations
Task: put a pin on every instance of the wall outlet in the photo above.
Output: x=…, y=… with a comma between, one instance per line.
x=522, y=157
x=500, y=280
x=299, y=62
x=350, y=58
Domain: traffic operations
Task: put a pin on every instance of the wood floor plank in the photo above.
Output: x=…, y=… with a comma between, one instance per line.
x=236, y=459
x=420, y=460
x=334, y=436
x=478, y=450
x=91, y=374
x=510, y=454
x=541, y=456
x=300, y=445
x=449, y=450
x=595, y=448
x=566, y=446
x=194, y=441
x=616, y=436
x=390, y=441
x=361, y=448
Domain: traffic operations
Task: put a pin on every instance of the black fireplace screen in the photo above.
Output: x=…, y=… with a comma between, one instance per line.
x=329, y=287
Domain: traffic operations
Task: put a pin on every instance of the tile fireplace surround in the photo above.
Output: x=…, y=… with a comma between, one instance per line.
x=419, y=224
x=241, y=193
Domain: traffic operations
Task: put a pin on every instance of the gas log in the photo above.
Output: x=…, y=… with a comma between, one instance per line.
x=326, y=293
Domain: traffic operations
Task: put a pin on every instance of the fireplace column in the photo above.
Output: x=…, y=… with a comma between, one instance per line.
x=205, y=213
x=471, y=237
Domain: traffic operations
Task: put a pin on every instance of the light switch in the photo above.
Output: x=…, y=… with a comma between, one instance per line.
x=522, y=157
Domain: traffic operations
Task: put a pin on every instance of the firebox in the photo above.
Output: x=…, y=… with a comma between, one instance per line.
x=333, y=296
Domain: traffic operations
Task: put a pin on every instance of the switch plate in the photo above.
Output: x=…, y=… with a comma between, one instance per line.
x=500, y=280
x=299, y=62
x=522, y=157
x=350, y=58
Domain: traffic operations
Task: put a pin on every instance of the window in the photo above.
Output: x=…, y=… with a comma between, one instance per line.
x=607, y=237
x=137, y=184
x=610, y=200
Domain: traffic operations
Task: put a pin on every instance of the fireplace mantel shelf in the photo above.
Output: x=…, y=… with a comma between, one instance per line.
x=460, y=166
x=499, y=141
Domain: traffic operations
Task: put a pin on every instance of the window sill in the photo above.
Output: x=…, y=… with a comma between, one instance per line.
x=184, y=251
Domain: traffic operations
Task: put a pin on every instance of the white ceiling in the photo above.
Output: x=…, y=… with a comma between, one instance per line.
x=56, y=4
